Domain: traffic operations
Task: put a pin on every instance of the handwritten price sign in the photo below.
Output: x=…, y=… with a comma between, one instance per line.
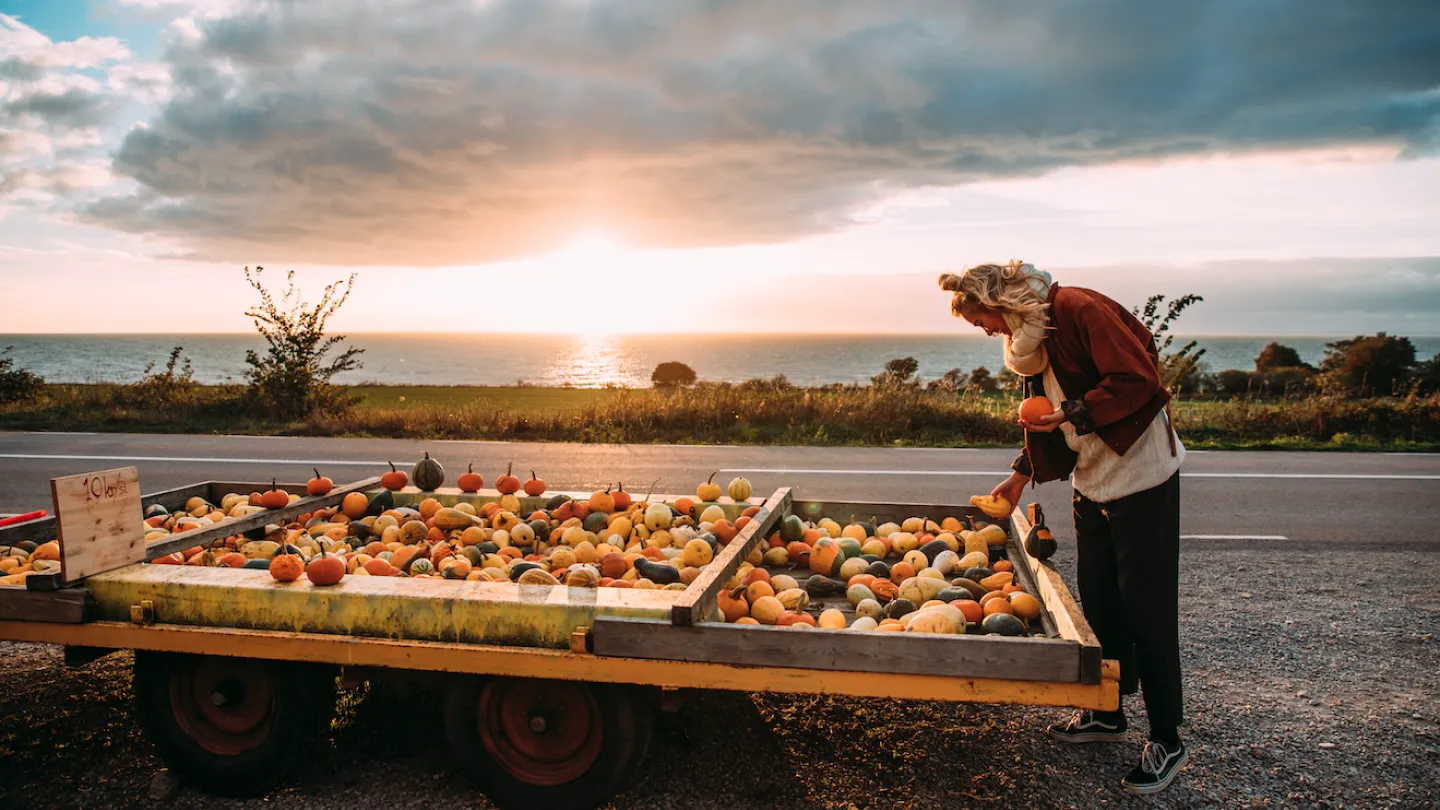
x=99, y=521
x=106, y=486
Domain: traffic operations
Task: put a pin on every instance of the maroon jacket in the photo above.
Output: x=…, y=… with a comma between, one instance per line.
x=1103, y=355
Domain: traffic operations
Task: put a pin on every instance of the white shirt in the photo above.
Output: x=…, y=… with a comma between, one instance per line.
x=1101, y=474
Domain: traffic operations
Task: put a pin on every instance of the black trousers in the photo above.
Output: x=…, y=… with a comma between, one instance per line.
x=1129, y=577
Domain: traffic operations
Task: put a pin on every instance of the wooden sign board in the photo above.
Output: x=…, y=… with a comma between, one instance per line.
x=98, y=520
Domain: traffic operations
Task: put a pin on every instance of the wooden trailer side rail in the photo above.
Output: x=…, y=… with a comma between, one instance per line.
x=526, y=662
x=1069, y=618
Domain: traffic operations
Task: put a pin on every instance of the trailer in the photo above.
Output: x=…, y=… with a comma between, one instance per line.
x=550, y=691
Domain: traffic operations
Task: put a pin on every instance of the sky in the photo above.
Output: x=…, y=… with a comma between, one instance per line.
x=715, y=165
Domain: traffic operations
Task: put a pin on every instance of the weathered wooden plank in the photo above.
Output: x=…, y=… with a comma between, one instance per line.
x=98, y=521
x=66, y=606
x=1021, y=530
x=553, y=664
x=1030, y=659
x=201, y=536
x=1069, y=618
x=691, y=606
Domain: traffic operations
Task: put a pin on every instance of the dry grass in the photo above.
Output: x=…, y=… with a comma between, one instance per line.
x=726, y=414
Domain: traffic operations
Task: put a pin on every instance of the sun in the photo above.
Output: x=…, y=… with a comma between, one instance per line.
x=592, y=245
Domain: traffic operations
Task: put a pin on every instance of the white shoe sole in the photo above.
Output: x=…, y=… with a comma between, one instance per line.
x=1088, y=736
x=1145, y=790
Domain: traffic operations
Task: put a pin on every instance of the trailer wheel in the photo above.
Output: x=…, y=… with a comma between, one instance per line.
x=561, y=745
x=230, y=726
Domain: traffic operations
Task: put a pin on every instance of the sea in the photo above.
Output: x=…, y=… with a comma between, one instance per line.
x=581, y=361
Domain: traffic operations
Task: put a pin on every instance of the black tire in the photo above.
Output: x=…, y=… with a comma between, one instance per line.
x=243, y=748
x=621, y=719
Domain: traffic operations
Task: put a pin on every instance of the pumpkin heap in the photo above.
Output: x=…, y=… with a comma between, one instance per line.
x=915, y=576
x=608, y=539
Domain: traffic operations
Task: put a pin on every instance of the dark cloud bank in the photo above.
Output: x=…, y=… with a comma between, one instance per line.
x=441, y=132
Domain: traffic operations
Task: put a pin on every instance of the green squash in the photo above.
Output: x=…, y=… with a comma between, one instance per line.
x=428, y=475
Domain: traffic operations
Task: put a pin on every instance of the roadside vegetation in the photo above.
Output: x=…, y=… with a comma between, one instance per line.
x=1369, y=393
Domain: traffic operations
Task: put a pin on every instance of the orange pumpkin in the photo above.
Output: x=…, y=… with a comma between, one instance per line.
x=470, y=481
x=395, y=479
x=733, y=605
x=621, y=497
x=884, y=589
x=600, y=501
x=319, y=485
x=901, y=571
x=534, y=487
x=275, y=498
x=790, y=617
x=326, y=569
x=508, y=484
x=1002, y=565
x=798, y=552
x=685, y=505
x=355, y=505
x=286, y=567
x=1036, y=408
x=724, y=530
x=826, y=557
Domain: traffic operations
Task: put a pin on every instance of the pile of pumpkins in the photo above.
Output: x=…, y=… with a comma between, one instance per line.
x=25, y=558
x=609, y=539
x=914, y=576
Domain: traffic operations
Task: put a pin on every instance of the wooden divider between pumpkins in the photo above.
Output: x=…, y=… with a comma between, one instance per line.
x=692, y=605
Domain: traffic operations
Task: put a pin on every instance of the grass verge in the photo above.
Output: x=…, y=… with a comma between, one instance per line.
x=725, y=414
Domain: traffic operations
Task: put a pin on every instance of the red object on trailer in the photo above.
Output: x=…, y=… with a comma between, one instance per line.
x=28, y=516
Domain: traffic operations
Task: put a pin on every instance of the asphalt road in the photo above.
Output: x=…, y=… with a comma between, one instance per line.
x=1231, y=499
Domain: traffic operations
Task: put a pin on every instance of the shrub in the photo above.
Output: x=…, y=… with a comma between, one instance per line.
x=1286, y=380
x=981, y=380
x=162, y=390
x=672, y=375
x=899, y=371
x=952, y=380
x=1277, y=356
x=1235, y=382
x=1427, y=375
x=292, y=379
x=17, y=384
x=1378, y=364
x=1178, y=368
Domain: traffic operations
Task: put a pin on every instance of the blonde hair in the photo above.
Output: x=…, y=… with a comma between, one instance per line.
x=1007, y=289
x=1021, y=295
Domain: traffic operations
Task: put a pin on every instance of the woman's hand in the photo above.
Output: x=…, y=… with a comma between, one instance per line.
x=1044, y=424
x=1012, y=489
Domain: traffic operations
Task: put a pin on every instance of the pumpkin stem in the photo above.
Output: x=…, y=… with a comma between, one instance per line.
x=470, y=467
x=711, y=479
x=392, y=466
x=651, y=491
x=607, y=489
x=532, y=475
x=509, y=467
x=317, y=471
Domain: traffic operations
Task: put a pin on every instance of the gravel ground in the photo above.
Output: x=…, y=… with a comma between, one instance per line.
x=1309, y=677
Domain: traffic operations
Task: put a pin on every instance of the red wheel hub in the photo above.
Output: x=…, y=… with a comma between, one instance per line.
x=543, y=733
x=225, y=705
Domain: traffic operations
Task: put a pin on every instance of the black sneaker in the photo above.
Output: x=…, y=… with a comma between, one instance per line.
x=1085, y=727
x=1157, y=768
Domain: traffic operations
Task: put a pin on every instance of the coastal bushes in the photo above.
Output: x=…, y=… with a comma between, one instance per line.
x=17, y=384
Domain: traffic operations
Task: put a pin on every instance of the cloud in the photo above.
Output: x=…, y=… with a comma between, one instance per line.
x=441, y=132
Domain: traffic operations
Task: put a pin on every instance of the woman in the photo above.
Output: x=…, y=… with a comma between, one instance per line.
x=1110, y=433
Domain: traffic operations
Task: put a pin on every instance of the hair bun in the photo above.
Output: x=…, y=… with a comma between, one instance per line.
x=950, y=282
